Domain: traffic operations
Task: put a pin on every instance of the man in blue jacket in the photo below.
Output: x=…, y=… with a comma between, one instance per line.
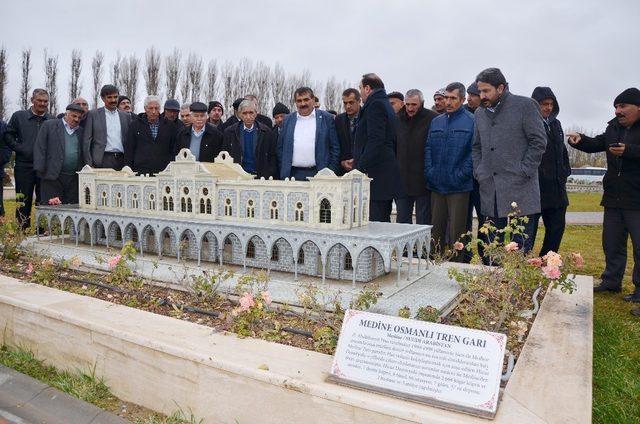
x=448, y=168
x=308, y=141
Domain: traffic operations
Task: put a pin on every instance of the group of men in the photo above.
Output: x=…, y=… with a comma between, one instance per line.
x=499, y=153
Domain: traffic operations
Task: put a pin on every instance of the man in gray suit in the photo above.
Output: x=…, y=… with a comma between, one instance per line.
x=105, y=132
x=508, y=144
x=57, y=156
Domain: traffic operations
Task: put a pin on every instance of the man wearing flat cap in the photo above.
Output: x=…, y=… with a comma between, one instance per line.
x=171, y=111
x=621, y=197
x=201, y=138
x=57, y=156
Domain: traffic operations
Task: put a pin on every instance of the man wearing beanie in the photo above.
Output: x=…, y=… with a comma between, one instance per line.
x=280, y=111
x=621, y=197
x=439, y=103
x=397, y=100
x=215, y=112
x=473, y=97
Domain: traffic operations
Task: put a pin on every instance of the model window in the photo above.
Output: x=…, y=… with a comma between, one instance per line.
x=275, y=253
x=273, y=210
x=87, y=196
x=299, y=213
x=228, y=210
x=205, y=191
x=325, y=212
x=251, y=250
x=251, y=210
x=348, y=263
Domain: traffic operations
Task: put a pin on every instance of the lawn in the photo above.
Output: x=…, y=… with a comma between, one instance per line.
x=616, y=354
x=585, y=202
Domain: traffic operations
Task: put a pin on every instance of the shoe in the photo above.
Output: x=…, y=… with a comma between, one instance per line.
x=633, y=297
x=635, y=312
x=602, y=288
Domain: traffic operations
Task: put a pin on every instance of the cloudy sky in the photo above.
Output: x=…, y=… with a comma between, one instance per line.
x=585, y=50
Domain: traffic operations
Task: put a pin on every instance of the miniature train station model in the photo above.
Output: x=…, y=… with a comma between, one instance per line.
x=216, y=212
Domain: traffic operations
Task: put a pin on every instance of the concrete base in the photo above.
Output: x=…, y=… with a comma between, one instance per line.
x=158, y=362
x=420, y=287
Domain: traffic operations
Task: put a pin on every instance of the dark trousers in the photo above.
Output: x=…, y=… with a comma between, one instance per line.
x=618, y=225
x=404, y=209
x=554, y=224
x=1, y=197
x=474, y=203
x=65, y=187
x=112, y=160
x=380, y=210
x=26, y=182
x=301, y=174
x=525, y=243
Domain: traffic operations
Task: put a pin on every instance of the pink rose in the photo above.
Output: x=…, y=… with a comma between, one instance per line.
x=511, y=247
x=266, y=297
x=113, y=262
x=537, y=262
x=246, y=301
x=551, y=272
x=577, y=259
x=553, y=259
x=55, y=201
x=29, y=269
x=458, y=245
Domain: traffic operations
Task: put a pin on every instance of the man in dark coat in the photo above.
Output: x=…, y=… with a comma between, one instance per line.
x=171, y=113
x=251, y=143
x=621, y=197
x=375, y=148
x=413, y=127
x=345, y=127
x=279, y=112
x=150, y=140
x=263, y=119
x=57, y=156
x=507, y=149
x=202, y=139
x=5, y=157
x=20, y=137
x=552, y=173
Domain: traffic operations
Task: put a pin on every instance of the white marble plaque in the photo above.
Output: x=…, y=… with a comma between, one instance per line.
x=451, y=367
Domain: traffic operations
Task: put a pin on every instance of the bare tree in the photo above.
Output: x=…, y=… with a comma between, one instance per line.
x=172, y=73
x=333, y=94
x=51, y=80
x=3, y=82
x=96, y=68
x=152, y=71
x=75, y=86
x=194, y=73
x=129, y=71
x=277, y=85
x=211, y=90
x=261, y=77
x=116, y=69
x=294, y=82
x=229, y=79
x=25, y=84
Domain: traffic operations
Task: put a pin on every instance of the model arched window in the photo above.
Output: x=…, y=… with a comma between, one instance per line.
x=251, y=209
x=118, y=200
x=189, y=205
x=134, y=201
x=251, y=250
x=202, y=206
x=301, y=256
x=273, y=210
x=183, y=204
x=299, y=213
x=87, y=196
x=348, y=263
x=103, y=199
x=171, y=203
x=208, y=210
x=228, y=210
x=364, y=210
x=355, y=209
x=325, y=211
x=275, y=253
x=152, y=202
x=165, y=203
x=118, y=234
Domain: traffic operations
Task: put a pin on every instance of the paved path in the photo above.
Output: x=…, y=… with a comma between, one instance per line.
x=24, y=400
x=584, y=218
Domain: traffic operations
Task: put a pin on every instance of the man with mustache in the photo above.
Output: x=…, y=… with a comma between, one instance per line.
x=105, y=132
x=308, y=141
x=621, y=197
x=507, y=148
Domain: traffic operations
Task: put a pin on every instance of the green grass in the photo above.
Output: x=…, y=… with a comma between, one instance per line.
x=616, y=334
x=82, y=385
x=585, y=202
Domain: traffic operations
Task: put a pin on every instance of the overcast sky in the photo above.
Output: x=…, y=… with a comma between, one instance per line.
x=587, y=50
